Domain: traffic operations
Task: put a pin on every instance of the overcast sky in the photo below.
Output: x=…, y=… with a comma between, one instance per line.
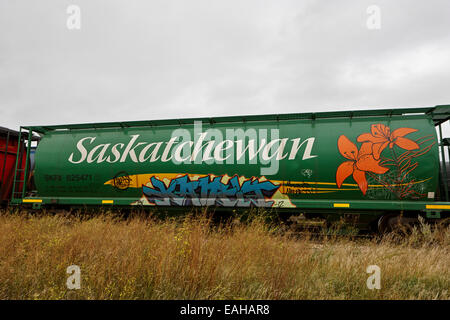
x=138, y=60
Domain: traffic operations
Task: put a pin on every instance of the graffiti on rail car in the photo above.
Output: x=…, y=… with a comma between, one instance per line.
x=207, y=191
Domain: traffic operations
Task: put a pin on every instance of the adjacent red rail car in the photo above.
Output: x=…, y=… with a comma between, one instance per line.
x=9, y=147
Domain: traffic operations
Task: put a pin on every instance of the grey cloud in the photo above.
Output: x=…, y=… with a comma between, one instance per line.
x=137, y=60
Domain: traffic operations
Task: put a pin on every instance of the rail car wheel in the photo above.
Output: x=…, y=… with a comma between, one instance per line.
x=396, y=224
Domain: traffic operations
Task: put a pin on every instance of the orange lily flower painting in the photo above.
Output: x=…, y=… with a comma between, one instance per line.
x=361, y=161
x=369, y=162
x=381, y=136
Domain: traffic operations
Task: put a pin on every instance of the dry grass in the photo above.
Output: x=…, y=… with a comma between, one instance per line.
x=143, y=258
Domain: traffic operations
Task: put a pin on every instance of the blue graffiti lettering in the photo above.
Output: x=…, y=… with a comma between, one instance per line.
x=183, y=191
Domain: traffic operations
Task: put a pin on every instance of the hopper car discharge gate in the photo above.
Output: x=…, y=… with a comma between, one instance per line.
x=23, y=193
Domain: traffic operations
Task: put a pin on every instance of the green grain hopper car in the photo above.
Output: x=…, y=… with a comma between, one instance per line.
x=362, y=165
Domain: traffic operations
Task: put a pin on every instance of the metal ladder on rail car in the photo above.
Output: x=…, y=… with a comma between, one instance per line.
x=20, y=171
x=445, y=167
x=441, y=115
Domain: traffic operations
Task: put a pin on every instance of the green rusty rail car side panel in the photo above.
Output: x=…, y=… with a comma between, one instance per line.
x=284, y=163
